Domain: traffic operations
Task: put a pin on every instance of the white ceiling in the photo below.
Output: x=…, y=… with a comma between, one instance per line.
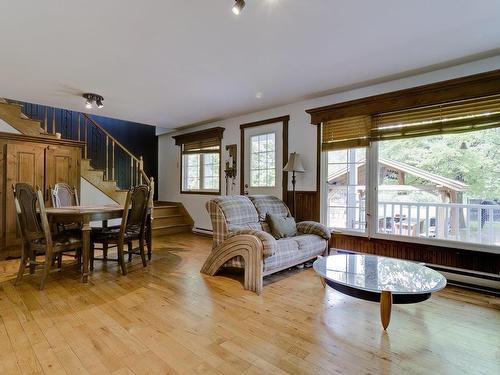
x=177, y=62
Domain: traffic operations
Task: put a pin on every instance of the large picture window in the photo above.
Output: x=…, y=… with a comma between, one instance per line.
x=443, y=187
x=424, y=174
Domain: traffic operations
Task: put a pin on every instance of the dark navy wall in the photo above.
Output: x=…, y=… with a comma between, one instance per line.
x=139, y=139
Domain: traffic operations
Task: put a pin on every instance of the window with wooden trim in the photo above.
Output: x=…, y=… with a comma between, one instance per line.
x=429, y=173
x=200, y=161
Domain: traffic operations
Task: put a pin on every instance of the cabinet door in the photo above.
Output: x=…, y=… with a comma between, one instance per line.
x=25, y=163
x=62, y=164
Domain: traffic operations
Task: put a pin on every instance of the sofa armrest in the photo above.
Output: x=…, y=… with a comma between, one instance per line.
x=269, y=244
x=312, y=227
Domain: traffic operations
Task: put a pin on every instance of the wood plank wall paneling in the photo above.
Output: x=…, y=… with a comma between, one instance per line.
x=443, y=256
x=306, y=203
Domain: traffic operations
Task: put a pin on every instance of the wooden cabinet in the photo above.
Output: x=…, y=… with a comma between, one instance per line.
x=62, y=164
x=39, y=162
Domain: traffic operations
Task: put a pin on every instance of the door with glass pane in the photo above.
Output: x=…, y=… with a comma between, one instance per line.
x=263, y=150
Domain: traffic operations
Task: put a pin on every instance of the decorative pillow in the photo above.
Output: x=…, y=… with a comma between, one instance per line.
x=281, y=227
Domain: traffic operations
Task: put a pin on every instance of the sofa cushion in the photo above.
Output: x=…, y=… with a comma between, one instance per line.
x=311, y=244
x=281, y=226
x=237, y=210
x=290, y=251
x=287, y=251
x=269, y=204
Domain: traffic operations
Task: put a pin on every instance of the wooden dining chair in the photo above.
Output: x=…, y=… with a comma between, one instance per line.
x=37, y=238
x=132, y=228
x=64, y=195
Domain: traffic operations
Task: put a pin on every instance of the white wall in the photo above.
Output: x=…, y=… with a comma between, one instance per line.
x=302, y=135
x=92, y=196
x=6, y=128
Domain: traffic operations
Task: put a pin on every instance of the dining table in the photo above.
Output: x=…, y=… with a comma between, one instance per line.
x=84, y=215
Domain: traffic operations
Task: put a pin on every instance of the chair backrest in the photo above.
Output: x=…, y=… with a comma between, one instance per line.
x=134, y=219
x=32, y=224
x=231, y=213
x=265, y=204
x=64, y=195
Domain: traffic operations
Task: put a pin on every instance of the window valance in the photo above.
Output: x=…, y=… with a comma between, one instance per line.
x=452, y=117
x=199, y=141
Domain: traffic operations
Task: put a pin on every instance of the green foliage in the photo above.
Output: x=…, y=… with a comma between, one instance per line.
x=473, y=158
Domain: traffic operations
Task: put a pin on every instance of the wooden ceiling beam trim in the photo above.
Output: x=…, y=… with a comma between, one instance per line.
x=468, y=87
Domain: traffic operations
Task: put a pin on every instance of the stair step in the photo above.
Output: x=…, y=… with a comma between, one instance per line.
x=171, y=229
x=166, y=211
x=166, y=216
x=160, y=222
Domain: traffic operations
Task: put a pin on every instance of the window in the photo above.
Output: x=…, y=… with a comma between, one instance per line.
x=200, y=161
x=201, y=170
x=263, y=160
x=427, y=174
x=444, y=187
x=346, y=189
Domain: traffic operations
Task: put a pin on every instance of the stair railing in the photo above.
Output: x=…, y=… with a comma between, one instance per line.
x=105, y=152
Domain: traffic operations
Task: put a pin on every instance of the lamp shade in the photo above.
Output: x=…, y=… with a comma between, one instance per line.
x=294, y=164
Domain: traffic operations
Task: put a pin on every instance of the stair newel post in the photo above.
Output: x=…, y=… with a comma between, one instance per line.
x=85, y=134
x=78, y=127
x=151, y=194
x=46, y=120
x=107, y=157
x=113, y=160
x=131, y=171
x=141, y=168
x=53, y=121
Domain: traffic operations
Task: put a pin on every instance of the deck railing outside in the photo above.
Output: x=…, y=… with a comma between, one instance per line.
x=473, y=223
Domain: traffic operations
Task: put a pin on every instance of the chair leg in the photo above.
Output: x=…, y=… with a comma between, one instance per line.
x=105, y=251
x=22, y=266
x=149, y=239
x=130, y=250
x=59, y=261
x=121, y=258
x=78, y=256
x=46, y=267
x=92, y=255
x=32, y=257
x=143, y=254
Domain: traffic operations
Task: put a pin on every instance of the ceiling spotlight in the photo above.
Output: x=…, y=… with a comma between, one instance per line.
x=93, y=98
x=238, y=6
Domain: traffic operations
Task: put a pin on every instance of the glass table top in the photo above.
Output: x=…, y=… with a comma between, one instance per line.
x=374, y=273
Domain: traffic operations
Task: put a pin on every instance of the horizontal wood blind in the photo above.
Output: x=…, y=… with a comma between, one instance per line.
x=346, y=133
x=207, y=140
x=202, y=144
x=452, y=117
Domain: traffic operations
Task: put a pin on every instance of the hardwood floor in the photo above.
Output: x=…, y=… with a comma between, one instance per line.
x=168, y=318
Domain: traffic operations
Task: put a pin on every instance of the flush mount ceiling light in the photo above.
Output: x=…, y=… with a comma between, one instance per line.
x=93, y=98
x=238, y=6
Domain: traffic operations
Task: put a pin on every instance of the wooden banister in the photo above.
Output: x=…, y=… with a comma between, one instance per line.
x=121, y=166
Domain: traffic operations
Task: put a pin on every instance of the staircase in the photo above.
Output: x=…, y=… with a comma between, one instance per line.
x=170, y=218
x=106, y=163
x=12, y=115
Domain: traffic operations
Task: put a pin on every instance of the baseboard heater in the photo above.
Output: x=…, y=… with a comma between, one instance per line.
x=203, y=231
x=475, y=280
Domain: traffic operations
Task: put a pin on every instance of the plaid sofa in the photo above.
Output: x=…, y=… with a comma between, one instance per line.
x=236, y=215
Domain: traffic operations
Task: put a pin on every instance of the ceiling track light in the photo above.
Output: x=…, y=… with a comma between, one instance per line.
x=238, y=6
x=93, y=98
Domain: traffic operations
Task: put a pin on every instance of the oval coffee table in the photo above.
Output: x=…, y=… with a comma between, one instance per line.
x=379, y=279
